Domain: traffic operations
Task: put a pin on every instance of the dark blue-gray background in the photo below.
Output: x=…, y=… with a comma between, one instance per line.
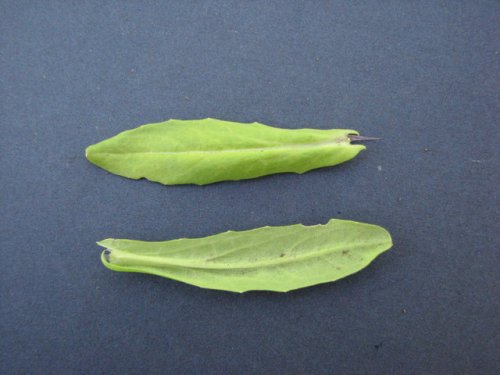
x=421, y=75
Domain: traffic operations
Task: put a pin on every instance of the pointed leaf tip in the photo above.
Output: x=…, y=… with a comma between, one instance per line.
x=361, y=138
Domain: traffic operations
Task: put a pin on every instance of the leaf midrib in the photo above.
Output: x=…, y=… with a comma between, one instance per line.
x=336, y=141
x=161, y=261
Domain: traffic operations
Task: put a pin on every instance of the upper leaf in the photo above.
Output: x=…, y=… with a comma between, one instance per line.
x=209, y=150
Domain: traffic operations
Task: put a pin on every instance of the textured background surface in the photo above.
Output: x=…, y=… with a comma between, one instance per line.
x=422, y=76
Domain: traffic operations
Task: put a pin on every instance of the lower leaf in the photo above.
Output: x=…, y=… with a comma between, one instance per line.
x=268, y=258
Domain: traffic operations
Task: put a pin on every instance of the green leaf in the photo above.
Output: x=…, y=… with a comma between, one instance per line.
x=268, y=258
x=209, y=150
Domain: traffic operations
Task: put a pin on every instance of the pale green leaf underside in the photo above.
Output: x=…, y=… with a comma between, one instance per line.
x=269, y=258
x=209, y=150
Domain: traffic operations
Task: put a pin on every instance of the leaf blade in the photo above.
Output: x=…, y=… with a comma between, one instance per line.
x=209, y=150
x=274, y=258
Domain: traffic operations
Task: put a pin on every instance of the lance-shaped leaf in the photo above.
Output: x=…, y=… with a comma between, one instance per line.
x=269, y=258
x=209, y=150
